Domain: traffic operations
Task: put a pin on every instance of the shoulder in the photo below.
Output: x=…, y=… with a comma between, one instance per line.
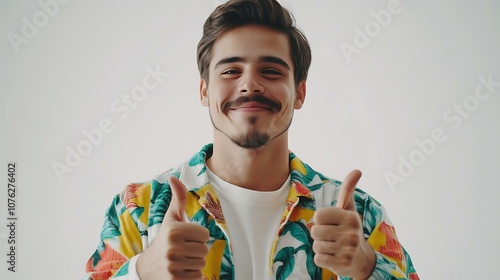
x=326, y=188
x=159, y=183
x=141, y=194
x=145, y=201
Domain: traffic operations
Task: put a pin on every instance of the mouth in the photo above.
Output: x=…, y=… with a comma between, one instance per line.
x=257, y=103
x=251, y=107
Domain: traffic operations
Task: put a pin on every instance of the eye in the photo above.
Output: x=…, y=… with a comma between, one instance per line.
x=271, y=72
x=230, y=72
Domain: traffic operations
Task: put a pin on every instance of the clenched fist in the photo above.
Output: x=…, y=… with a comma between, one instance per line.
x=339, y=243
x=179, y=249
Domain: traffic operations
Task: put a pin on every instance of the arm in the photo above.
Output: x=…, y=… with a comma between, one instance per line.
x=120, y=239
x=178, y=248
x=354, y=239
x=392, y=260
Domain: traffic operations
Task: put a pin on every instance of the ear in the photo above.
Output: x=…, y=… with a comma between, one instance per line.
x=203, y=93
x=300, y=95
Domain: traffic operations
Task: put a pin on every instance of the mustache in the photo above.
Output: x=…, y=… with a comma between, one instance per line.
x=273, y=105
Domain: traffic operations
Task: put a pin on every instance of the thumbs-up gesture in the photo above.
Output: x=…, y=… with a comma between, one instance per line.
x=179, y=249
x=338, y=235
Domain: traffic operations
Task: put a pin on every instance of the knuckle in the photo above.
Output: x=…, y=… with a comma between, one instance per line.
x=204, y=249
x=314, y=231
x=202, y=263
x=205, y=234
x=354, y=221
x=321, y=247
x=175, y=235
x=317, y=259
x=353, y=239
x=172, y=256
x=173, y=269
x=318, y=216
x=315, y=246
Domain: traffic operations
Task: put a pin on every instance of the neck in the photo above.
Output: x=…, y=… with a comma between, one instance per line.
x=262, y=169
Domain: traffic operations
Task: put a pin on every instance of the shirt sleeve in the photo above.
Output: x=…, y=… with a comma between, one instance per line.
x=392, y=260
x=120, y=240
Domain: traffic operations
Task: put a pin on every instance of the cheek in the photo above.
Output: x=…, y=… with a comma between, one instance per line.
x=215, y=100
x=221, y=92
x=286, y=96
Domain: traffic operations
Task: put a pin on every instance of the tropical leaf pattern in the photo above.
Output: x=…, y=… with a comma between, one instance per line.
x=134, y=216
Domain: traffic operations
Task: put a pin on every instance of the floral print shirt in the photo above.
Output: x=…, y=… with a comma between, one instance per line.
x=135, y=216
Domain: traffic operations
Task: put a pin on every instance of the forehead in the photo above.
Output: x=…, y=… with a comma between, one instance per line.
x=251, y=42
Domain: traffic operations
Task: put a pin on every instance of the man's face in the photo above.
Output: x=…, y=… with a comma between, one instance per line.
x=251, y=93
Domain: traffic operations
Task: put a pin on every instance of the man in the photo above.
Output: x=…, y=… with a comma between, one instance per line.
x=245, y=207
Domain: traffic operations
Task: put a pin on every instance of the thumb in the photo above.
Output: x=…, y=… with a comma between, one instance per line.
x=346, y=196
x=177, y=206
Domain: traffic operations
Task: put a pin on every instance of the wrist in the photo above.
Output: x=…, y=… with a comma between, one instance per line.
x=366, y=264
x=140, y=267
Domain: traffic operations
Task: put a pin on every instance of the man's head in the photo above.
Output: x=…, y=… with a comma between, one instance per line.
x=267, y=13
x=253, y=66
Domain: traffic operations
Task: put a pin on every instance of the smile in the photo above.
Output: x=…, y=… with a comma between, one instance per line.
x=256, y=103
x=251, y=107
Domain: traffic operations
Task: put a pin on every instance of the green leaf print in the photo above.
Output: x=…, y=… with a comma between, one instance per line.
x=227, y=267
x=299, y=231
x=312, y=269
x=199, y=158
x=160, y=199
x=306, y=203
x=287, y=258
x=111, y=225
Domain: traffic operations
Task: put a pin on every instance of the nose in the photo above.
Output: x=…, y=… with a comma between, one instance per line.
x=250, y=84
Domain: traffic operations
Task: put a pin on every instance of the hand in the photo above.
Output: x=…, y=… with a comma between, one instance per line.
x=179, y=249
x=339, y=243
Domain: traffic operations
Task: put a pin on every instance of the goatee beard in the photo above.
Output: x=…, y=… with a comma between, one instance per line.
x=251, y=140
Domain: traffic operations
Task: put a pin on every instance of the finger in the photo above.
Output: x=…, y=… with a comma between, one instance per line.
x=177, y=205
x=189, y=232
x=326, y=232
x=333, y=250
x=326, y=247
x=337, y=218
x=185, y=274
x=187, y=263
x=348, y=239
x=346, y=196
x=194, y=250
x=333, y=260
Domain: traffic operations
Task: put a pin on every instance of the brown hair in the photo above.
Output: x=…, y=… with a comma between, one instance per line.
x=267, y=13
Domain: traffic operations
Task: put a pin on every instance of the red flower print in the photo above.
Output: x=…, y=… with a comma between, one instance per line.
x=301, y=189
x=110, y=262
x=392, y=247
x=213, y=207
x=128, y=194
x=414, y=276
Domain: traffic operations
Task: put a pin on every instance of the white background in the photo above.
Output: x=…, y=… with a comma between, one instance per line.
x=362, y=114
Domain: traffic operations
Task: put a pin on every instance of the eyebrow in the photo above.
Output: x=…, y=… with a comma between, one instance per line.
x=272, y=59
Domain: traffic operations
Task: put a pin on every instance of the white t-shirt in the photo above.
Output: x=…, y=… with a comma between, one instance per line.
x=252, y=220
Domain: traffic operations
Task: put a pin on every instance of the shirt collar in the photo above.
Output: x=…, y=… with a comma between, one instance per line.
x=304, y=180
